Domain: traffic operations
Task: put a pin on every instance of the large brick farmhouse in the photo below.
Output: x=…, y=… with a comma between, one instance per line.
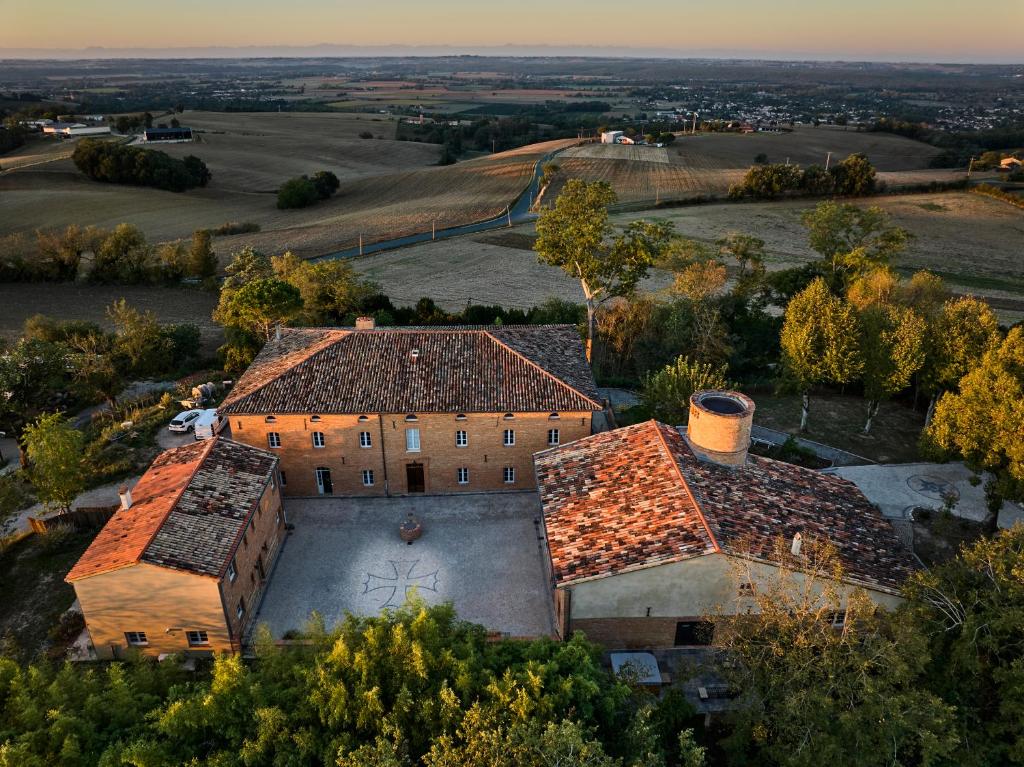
x=387, y=411
x=644, y=523
x=181, y=566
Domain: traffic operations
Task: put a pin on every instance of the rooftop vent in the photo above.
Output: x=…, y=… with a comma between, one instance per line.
x=719, y=426
x=414, y=355
x=365, y=323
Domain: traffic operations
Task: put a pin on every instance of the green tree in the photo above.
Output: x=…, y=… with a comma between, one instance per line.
x=749, y=254
x=965, y=330
x=298, y=192
x=97, y=368
x=246, y=265
x=970, y=610
x=261, y=304
x=202, y=261
x=819, y=342
x=984, y=421
x=576, y=236
x=666, y=393
x=54, y=448
x=852, y=240
x=767, y=181
x=139, y=338
x=330, y=290
x=854, y=176
x=814, y=693
x=123, y=256
x=892, y=347
x=33, y=376
x=326, y=184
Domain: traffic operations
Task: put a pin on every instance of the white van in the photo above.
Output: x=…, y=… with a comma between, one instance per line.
x=209, y=424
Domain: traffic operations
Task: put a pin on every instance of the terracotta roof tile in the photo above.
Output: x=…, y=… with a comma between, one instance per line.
x=187, y=512
x=649, y=500
x=496, y=369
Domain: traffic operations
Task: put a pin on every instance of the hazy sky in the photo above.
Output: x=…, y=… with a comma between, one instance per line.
x=943, y=30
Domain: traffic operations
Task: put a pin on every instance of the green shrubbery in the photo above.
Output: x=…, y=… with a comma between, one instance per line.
x=303, y=191
x=853, y=177
x=119, y=164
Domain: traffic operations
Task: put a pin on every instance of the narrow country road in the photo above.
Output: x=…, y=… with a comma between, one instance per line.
x=518, y=213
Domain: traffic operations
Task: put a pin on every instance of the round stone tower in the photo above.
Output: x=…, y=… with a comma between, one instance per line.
x=719, y=426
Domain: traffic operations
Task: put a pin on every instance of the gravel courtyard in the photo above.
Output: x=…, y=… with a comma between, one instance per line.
x=481, y=552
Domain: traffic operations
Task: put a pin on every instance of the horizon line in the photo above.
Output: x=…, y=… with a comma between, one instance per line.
x=345, y=50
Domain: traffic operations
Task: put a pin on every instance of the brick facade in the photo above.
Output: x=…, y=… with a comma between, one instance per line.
x=345, y=455
x=630, y=633
x=253, y=561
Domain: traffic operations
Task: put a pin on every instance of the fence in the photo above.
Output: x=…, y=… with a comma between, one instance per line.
x=84, y=518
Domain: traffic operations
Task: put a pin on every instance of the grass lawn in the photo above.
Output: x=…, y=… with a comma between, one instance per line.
x=32, y=571
x=838, y=421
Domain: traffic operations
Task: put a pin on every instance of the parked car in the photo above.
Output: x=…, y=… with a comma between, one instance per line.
x=185, y=421
x=209, y=424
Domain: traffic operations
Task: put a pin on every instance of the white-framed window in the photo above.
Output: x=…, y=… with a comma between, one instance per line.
x=324, y=485
x=365, y=440
x=509, y=416
x=509, y=474
x=412, y=440
x=509, y=438
x=553, y=417
x=197, y=638
x=232, y=572
x=462, y=475
x=552, y=436
x=363, y=419
x=270, y=419
x=411, y=417
x=240, y=609
x=136, y=638
x=318, y=439
x=461, y=438
x=368, y=477
x=315, y=418
x=273, y=439
x=460, y=416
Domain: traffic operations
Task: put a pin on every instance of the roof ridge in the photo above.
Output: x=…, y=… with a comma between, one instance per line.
x=548, y=373
x=205, y=453
x=686, y=485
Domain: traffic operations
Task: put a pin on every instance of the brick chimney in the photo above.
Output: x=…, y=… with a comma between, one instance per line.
x=126, y=496
x=719, y=426
x=365, y=323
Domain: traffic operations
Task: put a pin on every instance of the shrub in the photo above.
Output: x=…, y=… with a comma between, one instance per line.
x=326, y=183
x=298, y=192
x=235, y=227
x=365, y=134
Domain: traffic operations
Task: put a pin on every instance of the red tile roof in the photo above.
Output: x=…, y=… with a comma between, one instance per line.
x=187, y=510
x=536, y=368
x=637, y=497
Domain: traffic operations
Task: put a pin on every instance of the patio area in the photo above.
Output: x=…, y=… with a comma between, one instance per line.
x=482, y=552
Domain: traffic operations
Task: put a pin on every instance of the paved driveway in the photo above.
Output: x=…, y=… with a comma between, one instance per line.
x=481, y=552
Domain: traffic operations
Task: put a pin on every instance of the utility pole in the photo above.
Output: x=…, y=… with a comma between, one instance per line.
x=508, y=212
x=828, y=160
x=433, y=229
x=970, y=167
x=360, y=244
x=693, y=131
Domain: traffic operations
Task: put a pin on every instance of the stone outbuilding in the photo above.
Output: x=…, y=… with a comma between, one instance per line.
x=182, y=565
x=645, y=524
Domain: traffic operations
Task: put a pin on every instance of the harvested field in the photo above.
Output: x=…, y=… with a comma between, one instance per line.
x=388, y=189
x=707, y=164
x=969, y=240
x=89, y=302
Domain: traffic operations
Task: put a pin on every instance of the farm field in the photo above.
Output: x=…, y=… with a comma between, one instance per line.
x=707, y=164
x=89, y=302
x=389, y=188
x=969, y=240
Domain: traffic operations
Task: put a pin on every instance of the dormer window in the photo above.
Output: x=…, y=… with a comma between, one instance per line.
x=460, y=417
x=315, y=419
x=363, y=419
x=553, y=417
x=509, y=416
x=411, y=417
x=270, y=419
